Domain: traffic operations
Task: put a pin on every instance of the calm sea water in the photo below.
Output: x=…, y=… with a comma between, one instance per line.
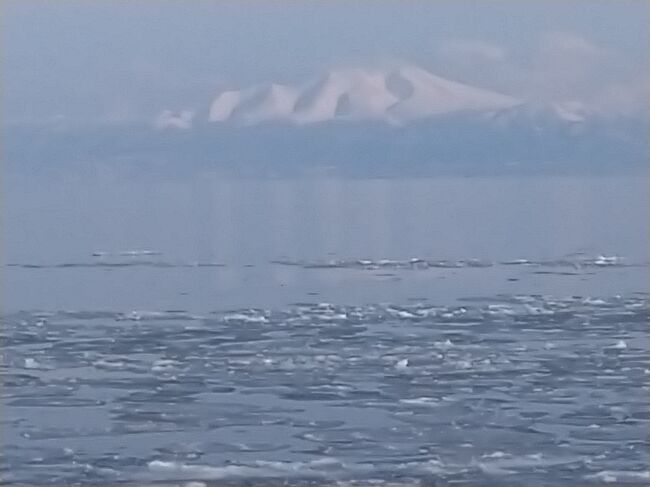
x=434, y=332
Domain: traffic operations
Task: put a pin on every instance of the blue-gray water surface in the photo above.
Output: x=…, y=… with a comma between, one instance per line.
x=324, y=331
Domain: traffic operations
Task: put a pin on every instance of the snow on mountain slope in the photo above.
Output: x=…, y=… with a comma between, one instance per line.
x=348, y=94
x=222, y=108
x=398, y=97
x=433, y=95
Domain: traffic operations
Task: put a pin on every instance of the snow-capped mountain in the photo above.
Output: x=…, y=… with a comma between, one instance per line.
x=407, y=121
x=396, y=96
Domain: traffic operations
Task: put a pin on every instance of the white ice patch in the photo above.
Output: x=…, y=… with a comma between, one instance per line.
x=245, y=318
x=164, y=365
x=500, y=310
x=537, y=310
x=30, y=363
x=402, y=364
x=605, y=260
x=402, y=314
x=202, y=471
x=496, y=454
x=137, y=253
x=259, y=469
x=444, y=345
x=619, y=345
x=610, y=476
x=420, y=401
x=143, y=315
x=464, y=364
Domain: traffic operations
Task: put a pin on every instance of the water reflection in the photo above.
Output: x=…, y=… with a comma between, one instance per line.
x=214, y=219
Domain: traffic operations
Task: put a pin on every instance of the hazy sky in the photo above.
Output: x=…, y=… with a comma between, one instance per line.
x=124, y=60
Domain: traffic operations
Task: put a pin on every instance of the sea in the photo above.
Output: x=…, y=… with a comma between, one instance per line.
x=218, y=331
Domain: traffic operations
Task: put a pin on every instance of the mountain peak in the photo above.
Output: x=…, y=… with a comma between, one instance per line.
x=396, y=96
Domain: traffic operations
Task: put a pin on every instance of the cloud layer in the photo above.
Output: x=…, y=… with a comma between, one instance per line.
x=563, y=67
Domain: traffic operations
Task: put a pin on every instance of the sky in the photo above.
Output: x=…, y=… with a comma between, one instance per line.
x=121, y=61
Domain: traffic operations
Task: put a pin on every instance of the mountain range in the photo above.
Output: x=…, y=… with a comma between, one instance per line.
x=398, y=96
x=364, y=122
